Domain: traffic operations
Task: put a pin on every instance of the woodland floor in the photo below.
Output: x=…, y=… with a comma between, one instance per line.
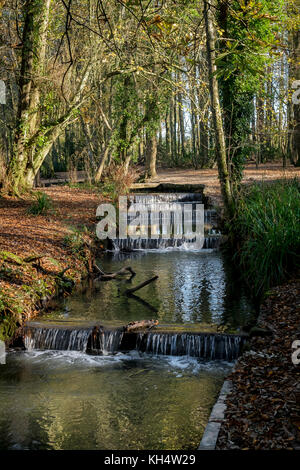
x=26, y=235
x=263, y=409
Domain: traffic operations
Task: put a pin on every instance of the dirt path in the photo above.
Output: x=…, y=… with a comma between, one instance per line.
x=209, y=178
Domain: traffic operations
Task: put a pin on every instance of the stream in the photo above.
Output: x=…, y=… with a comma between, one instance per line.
x=64, y=393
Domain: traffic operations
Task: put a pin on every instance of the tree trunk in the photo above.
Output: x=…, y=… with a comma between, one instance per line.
x=151, y=152
x=36, y=17
x=172, y=137
x=295, y=75
x=100, y=168
x=181, y=124
x=216, y=109
x=174, y=129
x=259, y=129
x=168, y=135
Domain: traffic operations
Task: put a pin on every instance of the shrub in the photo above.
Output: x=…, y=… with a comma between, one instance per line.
x=42, y=204
x=117, y=181
x=266, y=227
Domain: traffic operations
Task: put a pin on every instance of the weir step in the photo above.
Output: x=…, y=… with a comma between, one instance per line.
x=97, y=340
x=164, y=220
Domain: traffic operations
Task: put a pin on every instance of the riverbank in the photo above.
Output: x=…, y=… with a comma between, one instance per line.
x=263, y=408
x=44, y=255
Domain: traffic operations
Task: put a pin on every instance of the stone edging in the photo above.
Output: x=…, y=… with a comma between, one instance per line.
x=211, y=433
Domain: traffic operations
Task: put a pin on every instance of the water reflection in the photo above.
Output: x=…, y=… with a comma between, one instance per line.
x=64, y=400
x=192, y=287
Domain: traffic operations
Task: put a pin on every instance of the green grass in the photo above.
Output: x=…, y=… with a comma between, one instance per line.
x=267, y=232
x=42, y=205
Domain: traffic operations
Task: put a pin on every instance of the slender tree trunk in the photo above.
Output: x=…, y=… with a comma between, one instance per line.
x=171, y=125
x=181, y=124
x=269, y=108
x=259, y=129
x=203, y=144
x=168, y=135
x=101, y=167
x=193, y=135
x=253, y=127
x=151, y=153
x=175, y=130
x=216, y=108
x=295, y=75
x=281, y=142
x=193, y=120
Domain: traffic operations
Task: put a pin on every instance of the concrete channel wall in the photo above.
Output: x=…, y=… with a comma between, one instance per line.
x=211, y=433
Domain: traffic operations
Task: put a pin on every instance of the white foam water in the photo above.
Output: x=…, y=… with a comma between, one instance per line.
x=178, y=365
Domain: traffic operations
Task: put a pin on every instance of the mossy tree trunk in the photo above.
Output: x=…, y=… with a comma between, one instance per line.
x=216, y=109
x=22, y=167
x=35, y=136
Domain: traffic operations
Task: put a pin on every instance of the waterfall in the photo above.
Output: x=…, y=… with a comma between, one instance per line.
x=129, y=244
x=93, y=340
x=202, y=345
x=165, y=197
x=99, y=341
x=106, y=342
x=57, y=338
x=162, y=224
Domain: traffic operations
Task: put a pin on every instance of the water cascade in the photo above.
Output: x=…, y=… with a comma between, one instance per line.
x=96, y=340
x=206, y=346
x=62, y=339
x=160, y=206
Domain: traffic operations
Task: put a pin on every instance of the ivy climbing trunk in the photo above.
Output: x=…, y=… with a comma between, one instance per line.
x=216, y=108
x=237, y=105
x=22, y=168
x=35, y=136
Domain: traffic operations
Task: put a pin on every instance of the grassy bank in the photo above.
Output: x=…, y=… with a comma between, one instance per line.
x=266, y=233
x=263, y=407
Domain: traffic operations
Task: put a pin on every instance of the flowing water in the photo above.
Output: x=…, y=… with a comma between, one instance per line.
x=97, y=340
x=70, y=400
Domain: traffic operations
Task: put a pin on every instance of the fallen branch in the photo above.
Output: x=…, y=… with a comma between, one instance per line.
x=137, y=325
x=139, y=286
x=124, y=270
